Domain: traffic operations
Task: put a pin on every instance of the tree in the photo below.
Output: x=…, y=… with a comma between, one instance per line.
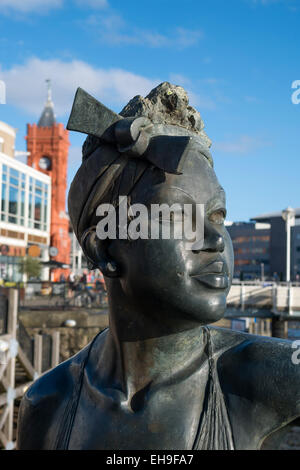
x=30, y=266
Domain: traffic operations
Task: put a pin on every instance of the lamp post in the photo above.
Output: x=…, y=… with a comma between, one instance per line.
x=288, y=216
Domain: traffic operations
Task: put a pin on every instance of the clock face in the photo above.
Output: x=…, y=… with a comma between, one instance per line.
x=45, y=163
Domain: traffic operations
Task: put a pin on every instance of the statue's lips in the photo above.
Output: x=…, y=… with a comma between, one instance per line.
x=213, y=275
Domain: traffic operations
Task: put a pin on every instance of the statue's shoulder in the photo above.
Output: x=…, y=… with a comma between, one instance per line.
x=255, y=348
x=269, y=367
x=44, y=403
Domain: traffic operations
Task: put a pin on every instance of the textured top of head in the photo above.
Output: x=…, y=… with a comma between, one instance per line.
x=167, y=104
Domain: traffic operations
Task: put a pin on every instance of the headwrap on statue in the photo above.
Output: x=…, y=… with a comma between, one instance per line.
x=152, y=131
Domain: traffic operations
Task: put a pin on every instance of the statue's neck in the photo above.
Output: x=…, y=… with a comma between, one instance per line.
x=149, y=347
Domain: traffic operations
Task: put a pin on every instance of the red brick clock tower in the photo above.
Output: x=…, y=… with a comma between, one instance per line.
x=48, y=144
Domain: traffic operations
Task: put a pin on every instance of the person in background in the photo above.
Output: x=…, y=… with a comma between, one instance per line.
x=71, y=281
x=83, y=279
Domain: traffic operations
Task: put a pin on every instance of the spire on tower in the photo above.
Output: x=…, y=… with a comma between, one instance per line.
x=47, y=118
x=48, y=81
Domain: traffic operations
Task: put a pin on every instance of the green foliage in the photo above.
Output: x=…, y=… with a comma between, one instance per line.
x=30, y=266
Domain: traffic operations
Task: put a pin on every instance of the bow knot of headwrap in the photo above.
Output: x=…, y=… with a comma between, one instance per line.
x=133, y=135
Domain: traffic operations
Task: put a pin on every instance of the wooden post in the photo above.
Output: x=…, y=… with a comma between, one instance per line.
x=274, y=298
x=55, y=349
x=279, y=328
x=10, y=370
x=38, y=353
x=242, y=296
x=290, y=299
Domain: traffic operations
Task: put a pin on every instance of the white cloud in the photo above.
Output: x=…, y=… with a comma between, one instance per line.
x=26, y=84
x=200, y=99
x=114, y=30
x=265, y=2
x=252, y=99
x=97, y=4
x=242, y=145
x=43, y=6
x=179, y=79
x=289, y=3
x=26, y=6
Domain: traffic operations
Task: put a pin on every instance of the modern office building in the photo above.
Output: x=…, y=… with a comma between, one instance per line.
x=25, y=210
x=278, y=244
x=251, y=244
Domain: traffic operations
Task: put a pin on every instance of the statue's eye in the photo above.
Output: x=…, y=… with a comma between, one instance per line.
x=217, y=217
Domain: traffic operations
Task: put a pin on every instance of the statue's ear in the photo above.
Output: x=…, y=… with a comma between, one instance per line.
x=96, y=253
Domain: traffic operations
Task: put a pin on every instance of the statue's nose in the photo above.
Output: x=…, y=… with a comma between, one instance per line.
x=213, y=240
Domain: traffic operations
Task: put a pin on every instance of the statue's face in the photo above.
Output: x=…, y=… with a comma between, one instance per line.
x=163, y=274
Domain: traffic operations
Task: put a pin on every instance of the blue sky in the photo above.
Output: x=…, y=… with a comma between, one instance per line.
x=237, y=59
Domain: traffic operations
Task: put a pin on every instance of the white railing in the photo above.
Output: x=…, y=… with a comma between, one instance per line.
x=277, y=296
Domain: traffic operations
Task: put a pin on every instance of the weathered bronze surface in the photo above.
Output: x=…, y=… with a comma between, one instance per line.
x=159, y=378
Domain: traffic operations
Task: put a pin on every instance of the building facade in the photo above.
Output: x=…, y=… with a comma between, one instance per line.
x=48, y=145
x=7, y=139
x=25, y=211
x=278, y=244
x=251, y=245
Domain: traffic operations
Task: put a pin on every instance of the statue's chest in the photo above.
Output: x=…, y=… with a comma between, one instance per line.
x=164, y=419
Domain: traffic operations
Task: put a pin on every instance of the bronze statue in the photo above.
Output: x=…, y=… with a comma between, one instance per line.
x=160, y=377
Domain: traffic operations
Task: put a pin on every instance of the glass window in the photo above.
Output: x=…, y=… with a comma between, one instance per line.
x=3, y=197
x=37, y=208
x=14, y=173
x=13, y=181
x=12, y=220
x=30, y=213
x=45, y=210
x=4, y=168
x=13, y=200
x=22, y=203
x=38, y=204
